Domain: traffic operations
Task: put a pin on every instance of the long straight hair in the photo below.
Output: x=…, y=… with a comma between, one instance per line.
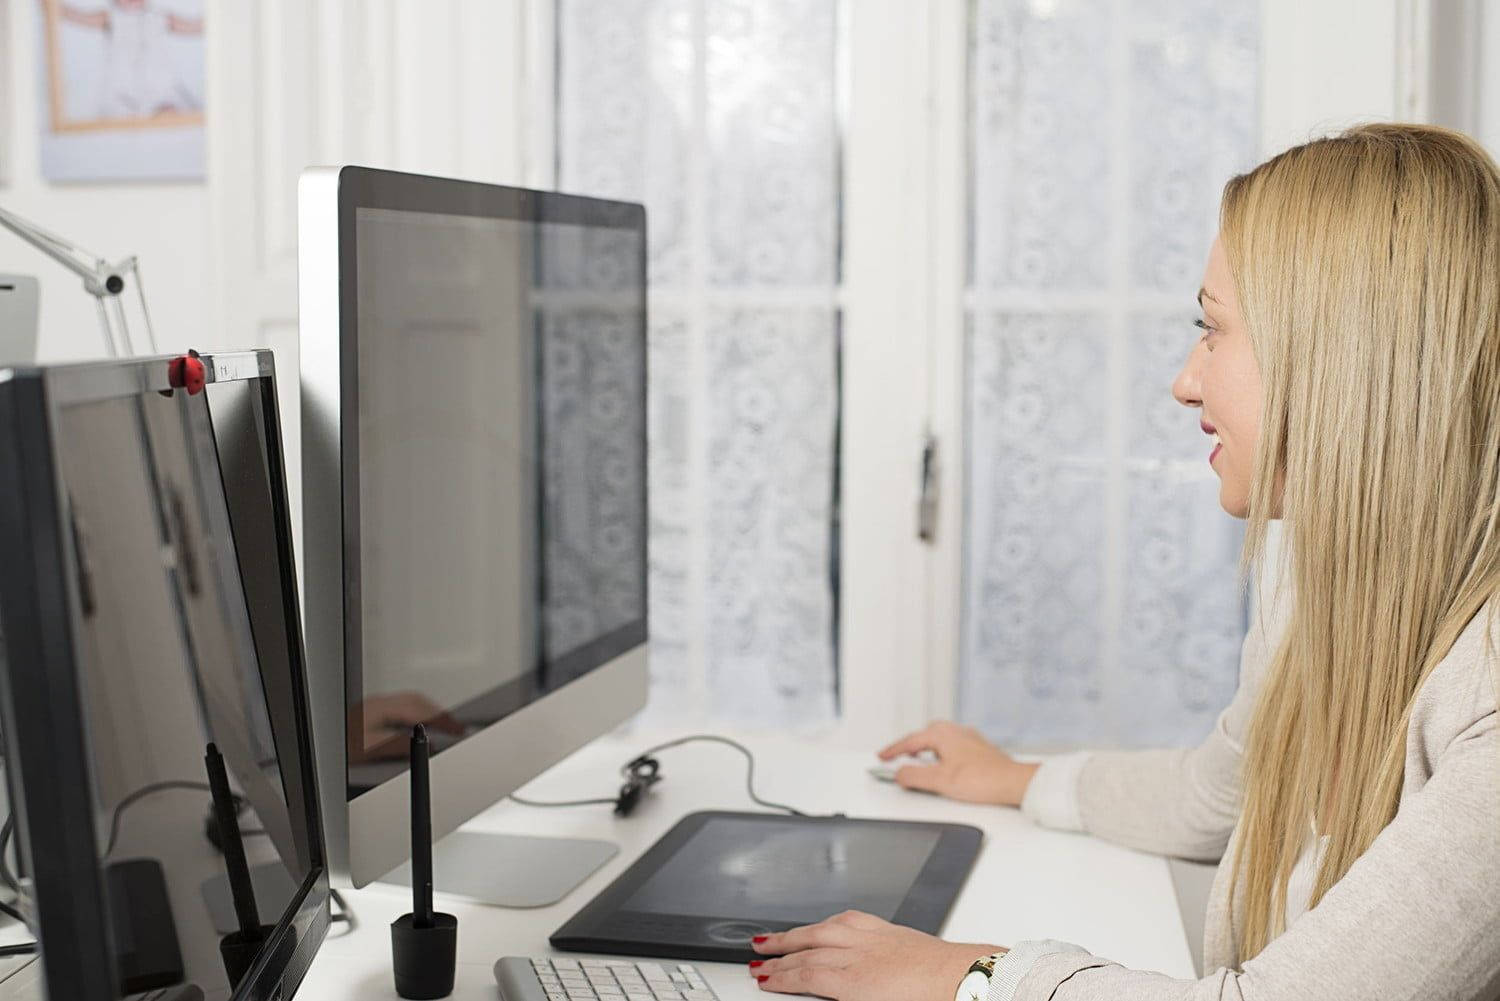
x=1368, y=271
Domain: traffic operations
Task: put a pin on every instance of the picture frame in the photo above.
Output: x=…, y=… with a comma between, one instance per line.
x=121, y=90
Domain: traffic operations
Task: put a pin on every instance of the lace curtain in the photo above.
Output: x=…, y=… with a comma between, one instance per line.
x=721, y=116
x=1101, y=603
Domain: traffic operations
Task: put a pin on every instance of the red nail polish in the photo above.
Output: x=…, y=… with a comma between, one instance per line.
x=762, y=978
x=759, y=939
x=756, y=962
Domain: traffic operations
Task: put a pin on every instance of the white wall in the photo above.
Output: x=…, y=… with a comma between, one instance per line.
x=165, y=225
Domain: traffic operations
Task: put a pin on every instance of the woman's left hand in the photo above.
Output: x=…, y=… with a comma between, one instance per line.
x=859, y=956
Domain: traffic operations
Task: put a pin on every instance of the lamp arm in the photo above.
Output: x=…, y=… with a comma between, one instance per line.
x=100, y=278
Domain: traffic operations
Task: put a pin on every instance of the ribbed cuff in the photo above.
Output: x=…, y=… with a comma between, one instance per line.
x=1051, y=799
x=1016, y=963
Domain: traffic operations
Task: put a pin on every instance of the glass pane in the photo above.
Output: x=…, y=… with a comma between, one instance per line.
x=772, y=143
x=770, y=490
x=722, y=117
x=1102, y=603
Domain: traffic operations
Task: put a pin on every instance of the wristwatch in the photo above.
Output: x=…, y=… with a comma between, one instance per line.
x=976, y=983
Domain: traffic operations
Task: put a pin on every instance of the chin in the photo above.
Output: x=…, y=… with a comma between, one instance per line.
x=1234, y=503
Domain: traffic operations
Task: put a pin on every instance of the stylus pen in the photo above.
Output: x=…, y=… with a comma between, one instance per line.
x=421, y=832
x=240, y=887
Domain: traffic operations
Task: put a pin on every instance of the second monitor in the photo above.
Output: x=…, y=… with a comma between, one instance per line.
x=474, y=505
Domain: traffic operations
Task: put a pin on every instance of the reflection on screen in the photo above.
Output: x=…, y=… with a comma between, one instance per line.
x=168, y=664
x=501, y=465
x=768, y=871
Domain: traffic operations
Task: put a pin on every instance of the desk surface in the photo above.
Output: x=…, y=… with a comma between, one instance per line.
x=1028, y=882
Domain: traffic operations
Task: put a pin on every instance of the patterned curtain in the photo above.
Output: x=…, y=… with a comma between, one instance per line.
x=721, y=116
x=1102, y=604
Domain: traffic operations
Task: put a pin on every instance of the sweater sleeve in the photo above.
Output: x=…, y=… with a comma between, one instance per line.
x=1416, y=916
x=1182, y=802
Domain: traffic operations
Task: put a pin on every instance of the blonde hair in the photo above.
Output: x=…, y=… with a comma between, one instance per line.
x=1368, y=271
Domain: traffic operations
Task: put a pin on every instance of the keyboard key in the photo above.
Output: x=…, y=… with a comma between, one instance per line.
x=698, y=995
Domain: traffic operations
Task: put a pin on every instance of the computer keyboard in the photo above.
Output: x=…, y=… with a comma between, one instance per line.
x=543, y=979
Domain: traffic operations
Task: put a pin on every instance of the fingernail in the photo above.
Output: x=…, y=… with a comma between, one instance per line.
x=756, y=962
x=759, y=939
x=762, y=978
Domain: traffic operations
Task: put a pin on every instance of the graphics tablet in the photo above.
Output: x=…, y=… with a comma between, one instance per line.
x=719, y=878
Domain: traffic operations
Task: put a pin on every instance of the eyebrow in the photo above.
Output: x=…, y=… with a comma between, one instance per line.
x=1202, y=292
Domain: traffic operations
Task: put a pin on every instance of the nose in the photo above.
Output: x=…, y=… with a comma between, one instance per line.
x=1187, y=388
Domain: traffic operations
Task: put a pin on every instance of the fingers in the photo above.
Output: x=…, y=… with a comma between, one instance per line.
x=823, y=981
x=823, y=935
x=922, y=778
x=835, y=958
x=929, y=738
x=406, y=709
x=446, y=723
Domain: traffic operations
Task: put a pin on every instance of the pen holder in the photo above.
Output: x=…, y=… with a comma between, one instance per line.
x=424, y=958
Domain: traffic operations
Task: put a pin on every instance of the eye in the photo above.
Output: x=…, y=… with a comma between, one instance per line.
x=1206, y=331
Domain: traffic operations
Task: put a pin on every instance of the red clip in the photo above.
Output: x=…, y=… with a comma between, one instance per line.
x=187, y=373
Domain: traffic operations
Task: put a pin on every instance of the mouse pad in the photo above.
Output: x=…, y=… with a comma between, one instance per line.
x=718, y=878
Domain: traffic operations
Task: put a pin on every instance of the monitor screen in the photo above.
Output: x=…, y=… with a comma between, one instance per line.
x=498, y=437
x=186, y=636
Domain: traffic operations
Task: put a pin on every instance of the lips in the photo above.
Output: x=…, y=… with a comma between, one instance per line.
x=1209, y=429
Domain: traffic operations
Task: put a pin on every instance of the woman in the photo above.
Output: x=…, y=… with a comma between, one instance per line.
x=1349, y=368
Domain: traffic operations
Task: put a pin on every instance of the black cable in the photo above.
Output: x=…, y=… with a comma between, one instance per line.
x=5, y=873
x=142, y=793
x=20, y=948
x=602, y=801
x=631, y=769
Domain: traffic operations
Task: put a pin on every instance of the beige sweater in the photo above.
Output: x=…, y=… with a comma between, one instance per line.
x=1418, y=915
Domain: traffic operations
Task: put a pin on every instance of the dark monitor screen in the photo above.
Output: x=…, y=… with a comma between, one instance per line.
x=186, y=633
x=498, y=410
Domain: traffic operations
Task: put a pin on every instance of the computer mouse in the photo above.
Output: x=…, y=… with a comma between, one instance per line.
x=886, y=770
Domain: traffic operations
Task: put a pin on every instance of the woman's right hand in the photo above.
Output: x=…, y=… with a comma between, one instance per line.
x=968, y=767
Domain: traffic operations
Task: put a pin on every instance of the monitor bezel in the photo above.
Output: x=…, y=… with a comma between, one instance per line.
x=40, y=689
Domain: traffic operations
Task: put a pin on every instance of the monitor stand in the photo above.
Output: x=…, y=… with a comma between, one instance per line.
x=509, y=870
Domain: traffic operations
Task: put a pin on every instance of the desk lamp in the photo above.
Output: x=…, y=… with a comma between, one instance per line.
x=101, y=279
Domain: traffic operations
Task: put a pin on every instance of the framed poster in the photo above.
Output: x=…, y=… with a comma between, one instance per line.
x=122, y=90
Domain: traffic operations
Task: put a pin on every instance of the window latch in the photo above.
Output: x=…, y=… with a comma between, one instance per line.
x=927, y=504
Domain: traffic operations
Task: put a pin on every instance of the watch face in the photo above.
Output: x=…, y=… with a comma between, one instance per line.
x=973, y=987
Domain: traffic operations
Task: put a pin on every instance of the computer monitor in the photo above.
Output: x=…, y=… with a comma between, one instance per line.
x=20, y=300
x=474, y=505
x=148, y=596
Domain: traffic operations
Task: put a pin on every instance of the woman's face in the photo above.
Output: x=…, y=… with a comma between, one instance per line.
x=1222, y=381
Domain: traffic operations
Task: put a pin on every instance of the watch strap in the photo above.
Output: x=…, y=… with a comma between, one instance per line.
x=986, y=964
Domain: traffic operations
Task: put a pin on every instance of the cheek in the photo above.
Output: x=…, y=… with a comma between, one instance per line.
x=1231, y=395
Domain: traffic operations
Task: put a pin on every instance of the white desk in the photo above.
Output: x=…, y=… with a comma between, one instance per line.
x=1028, y=882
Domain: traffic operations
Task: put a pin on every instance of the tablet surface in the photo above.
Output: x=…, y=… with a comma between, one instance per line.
x=717, y=878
